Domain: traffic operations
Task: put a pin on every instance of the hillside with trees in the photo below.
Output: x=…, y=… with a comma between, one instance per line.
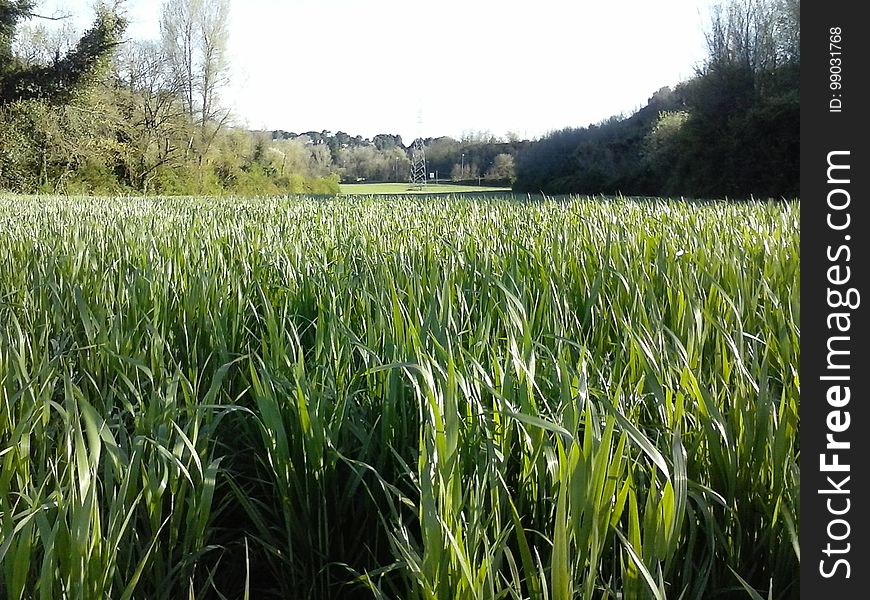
x=105, y=114
x=733, y=130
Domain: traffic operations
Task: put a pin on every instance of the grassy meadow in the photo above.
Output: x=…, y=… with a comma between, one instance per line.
x=380, y=189
x=406, y=397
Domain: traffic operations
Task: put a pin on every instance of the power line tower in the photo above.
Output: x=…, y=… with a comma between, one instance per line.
x=418, y=159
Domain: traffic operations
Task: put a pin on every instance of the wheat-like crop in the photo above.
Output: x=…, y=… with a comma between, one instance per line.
x=406, y=397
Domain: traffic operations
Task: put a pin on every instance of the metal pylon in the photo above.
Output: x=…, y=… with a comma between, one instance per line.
x=418, y=164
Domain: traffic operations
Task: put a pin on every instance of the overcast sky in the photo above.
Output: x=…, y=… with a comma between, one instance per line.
x=368, y=67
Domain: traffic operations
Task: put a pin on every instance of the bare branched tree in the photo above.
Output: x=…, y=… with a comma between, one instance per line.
x=759, y=35
x=194, y=36
x=155, y=119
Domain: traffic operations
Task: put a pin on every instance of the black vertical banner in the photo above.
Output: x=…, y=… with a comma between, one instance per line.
x=835, y=420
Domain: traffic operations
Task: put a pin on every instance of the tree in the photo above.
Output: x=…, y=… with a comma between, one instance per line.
x=662, y=145
x=35, y=44
x=154, y=125
x=732, y=130
x=320, y=160
x=52, y=125
x=759, y=35
x=213, y=30
x=502, y=167
x=386, y=141
x=194, y=35
x=742, y=136
x=58, y=81
x=11, y=13
x=178, y=34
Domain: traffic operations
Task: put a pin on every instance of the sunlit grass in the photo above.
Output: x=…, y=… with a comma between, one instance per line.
x=403, y=398
x=404, y=188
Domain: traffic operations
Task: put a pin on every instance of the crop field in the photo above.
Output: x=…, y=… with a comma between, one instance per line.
x=403, y=397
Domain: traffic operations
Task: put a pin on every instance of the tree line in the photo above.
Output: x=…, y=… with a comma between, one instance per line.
x=98, y=113
x=477, y=156
x=732, y=130
x=102, y=114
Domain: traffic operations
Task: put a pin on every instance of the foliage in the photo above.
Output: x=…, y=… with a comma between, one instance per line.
x=44, y=147
x=369, y=163
x=605, y=158
x=472, y=158
x=408, y=398
x=146, y=117
x=502, y=168
x=662, y=144
x=732, y=130
x=11, y=13
x=105, y=120
x=60, y=81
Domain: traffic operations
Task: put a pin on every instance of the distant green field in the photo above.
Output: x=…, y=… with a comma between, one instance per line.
x=367, y=189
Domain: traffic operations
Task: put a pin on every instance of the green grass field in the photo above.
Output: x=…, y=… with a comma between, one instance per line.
x=410, y=398
x=377, y=189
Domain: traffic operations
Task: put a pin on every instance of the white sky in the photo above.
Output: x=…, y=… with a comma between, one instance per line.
x=368, y=67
